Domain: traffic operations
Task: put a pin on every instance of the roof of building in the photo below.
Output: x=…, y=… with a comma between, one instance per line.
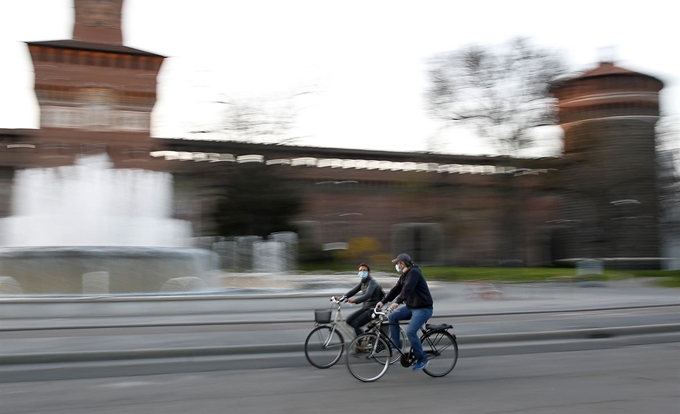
x=237, y=147
x=608, y=68
x=93, y=46
x=602, y=69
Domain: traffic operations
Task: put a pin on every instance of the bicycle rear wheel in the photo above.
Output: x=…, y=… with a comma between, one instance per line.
x=368, y=357
x=441, y=349
x=324, y=346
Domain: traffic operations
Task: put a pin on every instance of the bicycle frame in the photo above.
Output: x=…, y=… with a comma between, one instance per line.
x=325, y=344
x=382, y=316
x=338, y=323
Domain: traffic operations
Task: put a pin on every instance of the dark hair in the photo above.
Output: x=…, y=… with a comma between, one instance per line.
x=365, y=265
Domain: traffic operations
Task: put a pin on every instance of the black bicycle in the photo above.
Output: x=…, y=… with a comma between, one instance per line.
x=371, y=352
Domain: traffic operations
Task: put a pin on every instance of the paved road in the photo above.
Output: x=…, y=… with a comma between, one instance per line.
x=470, y=329
x=624, y=380
x=561, y=316
x=451, y=299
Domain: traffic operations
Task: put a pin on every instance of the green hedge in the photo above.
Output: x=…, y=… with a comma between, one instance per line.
x=670, y=278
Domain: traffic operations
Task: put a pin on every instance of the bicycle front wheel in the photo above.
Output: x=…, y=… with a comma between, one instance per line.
x=405, y=344
x=324, y=346
x=368, y=357
x=441, y=349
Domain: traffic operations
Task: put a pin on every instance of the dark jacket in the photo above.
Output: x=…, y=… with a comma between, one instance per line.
x=411, y=289
x=371, y=292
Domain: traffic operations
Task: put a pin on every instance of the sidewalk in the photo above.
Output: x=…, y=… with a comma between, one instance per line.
x=451, y=300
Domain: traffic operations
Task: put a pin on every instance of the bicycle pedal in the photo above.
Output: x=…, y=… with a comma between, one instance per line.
x=406, y=360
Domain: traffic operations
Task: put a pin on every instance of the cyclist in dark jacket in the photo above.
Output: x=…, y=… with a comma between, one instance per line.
x=371, y=293
x=412, y=290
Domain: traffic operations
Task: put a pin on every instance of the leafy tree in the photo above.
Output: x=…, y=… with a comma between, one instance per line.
x=256, y=201
x=503, y=93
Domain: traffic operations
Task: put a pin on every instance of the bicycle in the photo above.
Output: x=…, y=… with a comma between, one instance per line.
x=326, y=342
x=375, y=349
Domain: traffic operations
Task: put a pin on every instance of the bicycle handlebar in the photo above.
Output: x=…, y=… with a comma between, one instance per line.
x=378, y=312
x=341, y=299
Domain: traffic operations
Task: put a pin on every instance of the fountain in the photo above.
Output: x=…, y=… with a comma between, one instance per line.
x=94, y=229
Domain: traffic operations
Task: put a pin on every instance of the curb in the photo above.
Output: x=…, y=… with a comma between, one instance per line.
x=20, y=373
x=588, y=333
x=536, y=338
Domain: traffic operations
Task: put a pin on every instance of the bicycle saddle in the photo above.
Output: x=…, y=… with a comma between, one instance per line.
x=440, y=327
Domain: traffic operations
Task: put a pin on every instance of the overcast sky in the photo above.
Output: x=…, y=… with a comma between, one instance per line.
x=363, y=61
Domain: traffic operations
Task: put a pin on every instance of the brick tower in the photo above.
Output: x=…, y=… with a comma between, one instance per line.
x=608, y=173
x=94, y=93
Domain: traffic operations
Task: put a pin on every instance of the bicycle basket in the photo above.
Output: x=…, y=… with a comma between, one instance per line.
x=322, y=315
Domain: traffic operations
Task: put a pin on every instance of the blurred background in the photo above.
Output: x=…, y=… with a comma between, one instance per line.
x=274, y=137
x=183, y=183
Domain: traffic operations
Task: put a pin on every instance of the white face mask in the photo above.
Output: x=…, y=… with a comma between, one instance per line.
x=363, y=274
x=396, y=266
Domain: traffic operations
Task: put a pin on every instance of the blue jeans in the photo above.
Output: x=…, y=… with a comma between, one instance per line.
x=418, y=318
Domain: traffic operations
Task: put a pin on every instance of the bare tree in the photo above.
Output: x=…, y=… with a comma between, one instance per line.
x=258, y=120
x=504, y=93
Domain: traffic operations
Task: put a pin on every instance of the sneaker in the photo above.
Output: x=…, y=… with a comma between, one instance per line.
x=421, y=365
x=366, y=346
x=356, y=352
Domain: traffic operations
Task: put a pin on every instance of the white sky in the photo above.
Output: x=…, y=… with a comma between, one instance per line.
x=363, y=60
